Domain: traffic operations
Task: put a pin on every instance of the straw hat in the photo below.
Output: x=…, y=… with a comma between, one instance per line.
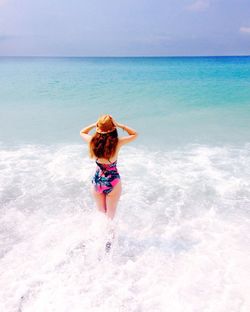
x=105, y=124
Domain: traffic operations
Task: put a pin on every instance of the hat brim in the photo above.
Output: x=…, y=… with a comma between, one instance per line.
x=98, y=130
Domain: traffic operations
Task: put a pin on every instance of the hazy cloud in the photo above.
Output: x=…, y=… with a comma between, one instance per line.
x=245, y=30
x=6, y=37
x=156, y=39
x=190, y=27
x=2, y=2
x=199, y=5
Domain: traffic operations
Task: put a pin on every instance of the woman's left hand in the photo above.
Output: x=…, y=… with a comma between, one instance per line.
x=113, y=120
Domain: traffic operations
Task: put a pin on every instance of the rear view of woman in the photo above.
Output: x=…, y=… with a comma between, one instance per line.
x=104, y=146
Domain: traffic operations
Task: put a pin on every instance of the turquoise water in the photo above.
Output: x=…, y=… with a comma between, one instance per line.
x=185, y=204
x=170, y=100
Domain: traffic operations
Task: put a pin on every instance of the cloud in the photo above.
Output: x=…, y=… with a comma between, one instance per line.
x=245, y=29
x=6, y=37
x=155, y=39
x=199, y=5
x=2, y=2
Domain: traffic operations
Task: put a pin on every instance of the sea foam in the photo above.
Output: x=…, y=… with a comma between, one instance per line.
x=181, y=231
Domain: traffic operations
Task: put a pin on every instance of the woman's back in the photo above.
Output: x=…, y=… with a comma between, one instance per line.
x=104, y=147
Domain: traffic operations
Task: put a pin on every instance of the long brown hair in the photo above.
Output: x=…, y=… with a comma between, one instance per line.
x=104, y=142
x=103, y=145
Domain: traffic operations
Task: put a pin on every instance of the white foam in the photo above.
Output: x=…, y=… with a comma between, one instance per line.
x=181, y=242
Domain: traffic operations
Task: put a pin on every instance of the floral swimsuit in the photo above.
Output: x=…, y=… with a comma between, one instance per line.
x=106, y=177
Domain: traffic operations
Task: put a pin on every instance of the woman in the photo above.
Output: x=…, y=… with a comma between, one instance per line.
x=104, y=146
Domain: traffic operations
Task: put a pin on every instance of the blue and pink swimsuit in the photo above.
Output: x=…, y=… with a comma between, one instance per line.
x=106, y=177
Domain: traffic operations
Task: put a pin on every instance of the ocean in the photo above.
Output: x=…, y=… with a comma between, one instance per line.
x=182, y=224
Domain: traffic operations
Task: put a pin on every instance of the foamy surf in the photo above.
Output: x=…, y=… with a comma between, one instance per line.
x=181, y=231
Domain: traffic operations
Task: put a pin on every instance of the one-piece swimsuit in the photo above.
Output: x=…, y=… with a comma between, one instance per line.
x=106, y=177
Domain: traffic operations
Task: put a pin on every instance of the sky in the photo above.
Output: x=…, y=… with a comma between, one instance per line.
x=124, y=27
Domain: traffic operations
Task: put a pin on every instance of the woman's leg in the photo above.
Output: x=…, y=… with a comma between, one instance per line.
x=112, y=200
x=100, y=200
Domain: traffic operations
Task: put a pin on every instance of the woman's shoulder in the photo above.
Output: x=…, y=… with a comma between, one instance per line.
x=126, y=139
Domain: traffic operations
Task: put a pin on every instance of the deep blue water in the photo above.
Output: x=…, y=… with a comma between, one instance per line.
x=172, y=100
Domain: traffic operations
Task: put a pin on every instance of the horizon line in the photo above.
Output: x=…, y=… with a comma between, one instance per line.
x=120, y=56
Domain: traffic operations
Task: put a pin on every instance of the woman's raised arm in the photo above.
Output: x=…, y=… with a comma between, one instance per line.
x=132, y=134
x=84, y=132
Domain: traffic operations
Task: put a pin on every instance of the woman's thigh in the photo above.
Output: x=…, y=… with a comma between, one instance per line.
x=112, y=199
x=100, y=200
